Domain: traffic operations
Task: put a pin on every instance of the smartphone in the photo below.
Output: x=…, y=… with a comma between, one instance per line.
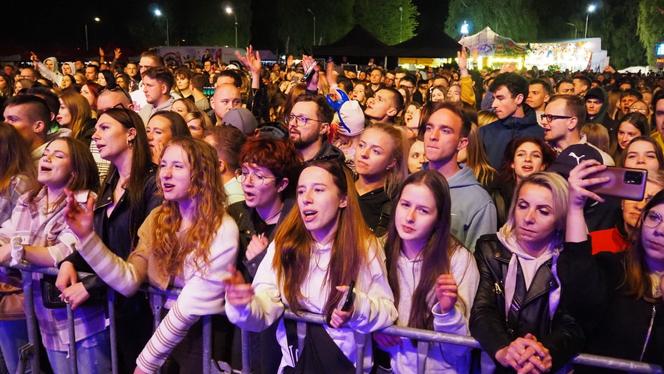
x=350, y=298
x=309, y=72
x=81, y=197
x=628, y=184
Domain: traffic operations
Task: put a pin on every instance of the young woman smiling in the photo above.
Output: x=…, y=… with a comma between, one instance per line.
x=319, y=250
x=38, y=223
x=433, y=277
x=174, y=248
x=381, y=164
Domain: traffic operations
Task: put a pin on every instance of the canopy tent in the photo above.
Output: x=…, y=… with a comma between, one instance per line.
x=428, y=43
x=357, y=43
x=488, y=43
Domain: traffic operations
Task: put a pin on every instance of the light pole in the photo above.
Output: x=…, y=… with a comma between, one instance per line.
x=229, y=11
x=576, y=29
x=159, y=13
x=400, y=24
x=87, y=44
x=313, y=15
x=591, y=9
x=465, y=28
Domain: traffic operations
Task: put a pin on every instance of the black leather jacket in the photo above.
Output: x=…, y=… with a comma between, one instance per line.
x=617, y=324
x=562, y=335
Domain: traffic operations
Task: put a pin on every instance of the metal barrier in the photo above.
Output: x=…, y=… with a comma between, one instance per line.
x=424, y=337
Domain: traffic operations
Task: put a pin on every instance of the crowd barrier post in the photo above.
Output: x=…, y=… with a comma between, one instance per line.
x=360, y=342
x=110, y=297
x=207, y=343
x=31, y=322
x=73, y=362
x=424, y=337
x=422, y=351
x=246, y=351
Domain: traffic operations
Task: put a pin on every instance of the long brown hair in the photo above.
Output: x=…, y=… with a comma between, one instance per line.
x=141, y=165
x=637, y=282
x=208, y=191
x=436, y=253
x=80, y=111
x=294, y=243
x=15, y=157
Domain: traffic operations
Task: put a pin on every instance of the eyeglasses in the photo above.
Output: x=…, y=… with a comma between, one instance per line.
x=652, y=219
x=116, y=89
x=300, y=120
x=244, y=174
x=116, y=106
x=551, y=117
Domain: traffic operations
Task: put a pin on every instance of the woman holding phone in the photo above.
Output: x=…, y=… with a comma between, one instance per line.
x=617, y=296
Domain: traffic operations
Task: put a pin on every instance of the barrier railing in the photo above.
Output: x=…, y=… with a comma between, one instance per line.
x=423, y=337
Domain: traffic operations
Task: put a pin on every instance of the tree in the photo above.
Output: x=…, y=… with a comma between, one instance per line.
x=617, y=26
x=514, y=19
x=384, y=19
x=651, y=26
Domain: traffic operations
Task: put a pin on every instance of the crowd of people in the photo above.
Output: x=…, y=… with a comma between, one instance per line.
x=443, y=199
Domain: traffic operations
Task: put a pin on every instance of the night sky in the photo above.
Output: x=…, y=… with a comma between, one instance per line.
x=57, y=27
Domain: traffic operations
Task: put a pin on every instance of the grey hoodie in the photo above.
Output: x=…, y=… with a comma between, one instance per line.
x=473, y=211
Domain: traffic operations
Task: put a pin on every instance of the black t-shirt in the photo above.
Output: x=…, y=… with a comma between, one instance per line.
x=376, y=208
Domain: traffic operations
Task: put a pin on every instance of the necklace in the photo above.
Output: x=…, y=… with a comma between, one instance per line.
x=274, y=215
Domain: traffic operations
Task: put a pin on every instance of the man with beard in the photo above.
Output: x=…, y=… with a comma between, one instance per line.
x=309, y=126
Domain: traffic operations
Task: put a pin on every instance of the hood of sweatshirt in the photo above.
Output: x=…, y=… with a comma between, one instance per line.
x=463, y=178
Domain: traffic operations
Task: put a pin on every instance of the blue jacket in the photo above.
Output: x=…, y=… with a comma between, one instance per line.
x=496, y=135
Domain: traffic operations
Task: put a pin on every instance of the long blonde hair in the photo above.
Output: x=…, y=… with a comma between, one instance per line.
x=399, y=172
x=208, y=191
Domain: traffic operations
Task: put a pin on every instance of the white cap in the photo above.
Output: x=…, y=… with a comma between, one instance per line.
x=352, y=116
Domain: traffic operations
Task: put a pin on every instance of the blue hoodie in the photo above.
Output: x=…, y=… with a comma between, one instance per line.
x=473, y=211
x=496, y=135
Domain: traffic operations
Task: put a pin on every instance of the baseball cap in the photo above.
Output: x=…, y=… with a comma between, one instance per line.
x=572, y=156
x=242, y=119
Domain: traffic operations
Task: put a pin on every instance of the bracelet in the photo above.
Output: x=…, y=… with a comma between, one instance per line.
x=17, y=251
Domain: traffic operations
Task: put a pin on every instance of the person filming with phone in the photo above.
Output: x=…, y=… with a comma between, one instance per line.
x=617, y=297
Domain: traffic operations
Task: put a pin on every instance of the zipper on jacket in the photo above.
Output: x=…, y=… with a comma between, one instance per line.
x=497, y=289
x=645, y=344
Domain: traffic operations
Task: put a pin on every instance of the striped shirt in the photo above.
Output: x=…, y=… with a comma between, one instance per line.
x=37, y=227
x=202, y=293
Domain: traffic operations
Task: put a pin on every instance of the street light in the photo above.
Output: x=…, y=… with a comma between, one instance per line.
x=465, y=28
x=400, y=24
x=159, y=13
x=87, y=44
x=591, y=9
x=229, y=11
x=313, y=15
x=576, y=29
